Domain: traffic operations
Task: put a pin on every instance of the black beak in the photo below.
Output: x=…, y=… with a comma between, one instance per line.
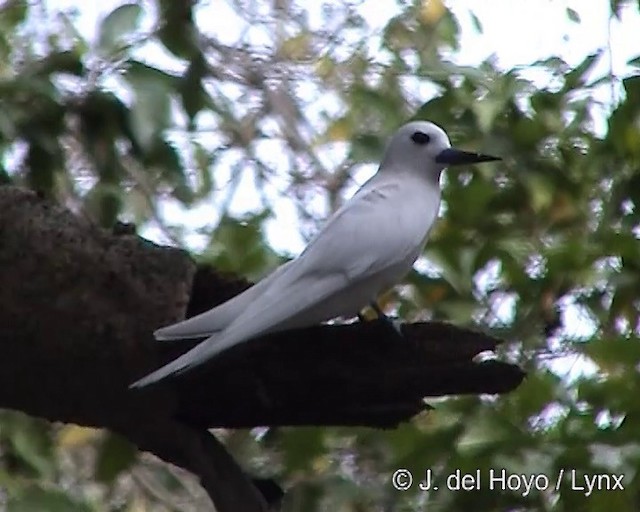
x=453, y=156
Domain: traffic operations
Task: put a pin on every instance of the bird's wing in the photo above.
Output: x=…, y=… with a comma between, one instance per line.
x=269, y=309
x=327, y=251
x=372, y=232
x=218, y=318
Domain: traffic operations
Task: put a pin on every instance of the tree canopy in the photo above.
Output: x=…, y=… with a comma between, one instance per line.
x=269, y=131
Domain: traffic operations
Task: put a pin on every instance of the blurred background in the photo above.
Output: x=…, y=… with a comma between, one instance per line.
x=233, y=128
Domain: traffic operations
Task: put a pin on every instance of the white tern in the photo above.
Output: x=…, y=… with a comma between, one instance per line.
x=367, y=246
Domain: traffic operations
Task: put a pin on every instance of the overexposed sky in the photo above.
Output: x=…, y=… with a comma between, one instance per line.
x=515, y=32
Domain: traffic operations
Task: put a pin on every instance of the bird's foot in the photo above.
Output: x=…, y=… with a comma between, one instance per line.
x=394, y=323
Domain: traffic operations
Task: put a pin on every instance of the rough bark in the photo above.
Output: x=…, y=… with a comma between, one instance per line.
x=77, y=308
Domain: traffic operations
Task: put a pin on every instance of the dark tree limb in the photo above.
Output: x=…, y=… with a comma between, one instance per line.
x=77, y=309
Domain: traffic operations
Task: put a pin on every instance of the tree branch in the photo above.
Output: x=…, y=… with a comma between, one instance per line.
x=77, y=309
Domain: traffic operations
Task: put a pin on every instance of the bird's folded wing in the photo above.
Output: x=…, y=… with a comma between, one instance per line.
x=356, y=242
x=268, y=310
x=370, y=234
x=218, y=318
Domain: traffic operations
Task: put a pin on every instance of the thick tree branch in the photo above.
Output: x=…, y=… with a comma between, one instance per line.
x=77, y=306
x=77, y=309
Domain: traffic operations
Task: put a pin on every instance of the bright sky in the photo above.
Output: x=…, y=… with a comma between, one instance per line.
x=516, y=32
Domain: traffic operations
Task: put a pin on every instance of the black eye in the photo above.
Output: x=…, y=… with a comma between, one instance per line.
x=420, y=138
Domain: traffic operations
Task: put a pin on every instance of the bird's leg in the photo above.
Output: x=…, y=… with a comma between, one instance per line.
x=394, y=323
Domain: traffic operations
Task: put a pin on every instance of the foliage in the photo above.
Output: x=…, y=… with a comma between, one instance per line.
x=541, y=249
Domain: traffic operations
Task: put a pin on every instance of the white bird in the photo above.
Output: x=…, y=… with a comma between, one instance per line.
x=366, y=247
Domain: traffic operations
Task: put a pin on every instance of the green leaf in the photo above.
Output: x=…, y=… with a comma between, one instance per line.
x=166, y=158
x=204, y=160
x=632, y=90
x=194, y=97
x=614, y=353
x=616, y=7
x=437, y=110
x=448, y=30
x=573, y=15
x=116, y=26
x=488, y=110
x=397, y=34
x=31, y=442
x=296, y=48
x=167, y=478
x=5, y=178
x=115, y=455
x=300, y=446
x=151, y=110
x=38, y=499
x=577, y=77
x=536, y=391
x=177, y=31
x=42, y=164
x=540, y=190
x=366, y=147
x=12, y=13
x=477, y=24
x=239, y=246
x=60, y=62
x=485, y=432
x=388, y=107
x=104, y=201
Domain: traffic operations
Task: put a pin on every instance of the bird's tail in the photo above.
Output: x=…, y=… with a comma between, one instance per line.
x=174, y=368
x=219, y=318
x=194, y=357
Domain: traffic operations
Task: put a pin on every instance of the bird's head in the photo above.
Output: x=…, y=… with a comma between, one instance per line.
x=425, y=147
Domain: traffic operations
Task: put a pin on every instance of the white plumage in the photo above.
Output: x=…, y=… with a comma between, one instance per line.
x=367, y=246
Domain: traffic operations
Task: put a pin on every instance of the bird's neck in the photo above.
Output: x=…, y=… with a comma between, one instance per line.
x=410, y=176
